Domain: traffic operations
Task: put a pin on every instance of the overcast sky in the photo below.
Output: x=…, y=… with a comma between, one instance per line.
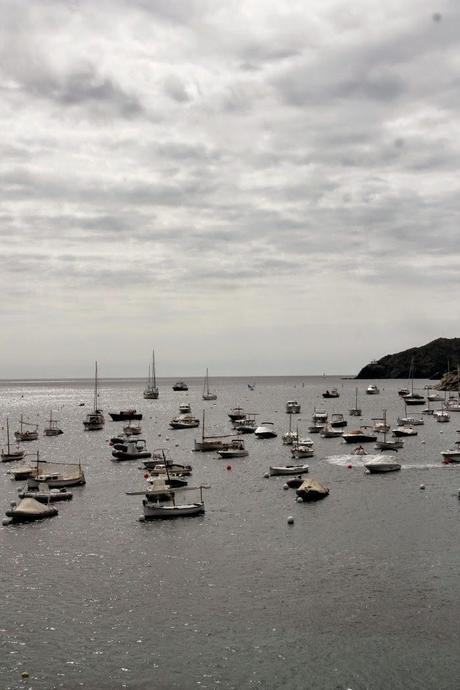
x=254, y=186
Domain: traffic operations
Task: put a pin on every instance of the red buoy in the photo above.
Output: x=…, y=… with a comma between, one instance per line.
x=350, y=467
x=229, y=467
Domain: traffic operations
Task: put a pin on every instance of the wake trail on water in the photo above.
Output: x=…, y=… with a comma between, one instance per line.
x=359, y=460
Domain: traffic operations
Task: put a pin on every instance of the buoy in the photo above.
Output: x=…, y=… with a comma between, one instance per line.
x=299, y=500
x=350, y=467
x=24, y=674
x=422, y=486
x=229, y=467
x=285, y=486
x=266, y=475
x=423, y=441
x=146, y=475
x=290, y=520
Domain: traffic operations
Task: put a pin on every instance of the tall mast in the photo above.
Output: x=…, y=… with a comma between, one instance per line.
x=95, y=388
x=153, y=368
x=8, y=435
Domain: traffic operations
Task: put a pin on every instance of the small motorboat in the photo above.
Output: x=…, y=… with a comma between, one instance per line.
x=234, y=449
x=404, y=431
x=265, y=430
x=403, y=392
x=292, y=407
x=441, y=416
x=302, y=449
x=338, y=421
x=237, y=413
x=382, y=464
x=29, y=510
x=333, y=393
x=397, y=444
x=372, y=389
x=132, y=429
x=410, y=421
x=295, y=482
x=319, y=416
x=180, y=386
x=359, y=436
x=160, y=503
x=186, y=421
x=281, y=470
x=312, y=490
x=44, y=494
x=185, y=408
x=125, y=415
x=329, y=432
x=248, y=425
x=414, y=399
x=359, y=450
x=316, y=428
x=131, y=449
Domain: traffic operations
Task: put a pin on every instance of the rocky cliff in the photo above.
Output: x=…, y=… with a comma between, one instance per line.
x=431, y=361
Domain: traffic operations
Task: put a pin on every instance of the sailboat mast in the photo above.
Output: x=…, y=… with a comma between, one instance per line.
x=153, y=369
x=95, y=388
x=8, y=435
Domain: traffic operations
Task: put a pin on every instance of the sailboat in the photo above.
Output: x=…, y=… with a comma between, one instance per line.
x=413, y=398
x=207, y=395
x=94, y=420
x=453, y=404
x=25, y=435
x=10, y=454
x=209, y=442
x=387, y=445
x=151, y=391
x=355, y=411
x=52, y=429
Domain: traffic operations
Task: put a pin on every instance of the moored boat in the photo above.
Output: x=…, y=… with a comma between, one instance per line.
x=292, y=407
x=380, y=464
x=359, y=436
x=282, y=470
x=180, y=386
x=131, y=449
x=30, y=510
x=312, y=490
x=333, y=393
x=186, y=421
x=52, y=429
x=234, y=449
x=151, y=391
x=26, y=434
x=10, y=455
x=265, y=430
x=125, y=415
x=372, y=389
x=94, y=421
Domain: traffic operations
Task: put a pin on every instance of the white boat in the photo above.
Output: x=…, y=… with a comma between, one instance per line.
x=410, y=421
x=372, y=389
x=413, y=398
x=281, y=470
x=319, y=416
x=26, y=434
x=441, y=416
x=404, y=431
x=52, y=429
x=292, y=407
x=394, y=444
x=94, y=420
x=453, y=405
x=11, y=455
x=209, y=443
x=435, y=397
x=57, y=474
x=151, y=391
x=207, y=394
x=381, y=463
x=132, y=429
x=355, y=411
x=303, y=449
x=290, y=436
x=452, y=455
x=162, y=462
x=186, y=421
x=338, y=421
x=265, y=430
x=131, y=449
x=237, y=413
x=185, y=408
x=44, y=494
x=234, y=449
x=160, y=503
x=316, y=428
x=248, y=425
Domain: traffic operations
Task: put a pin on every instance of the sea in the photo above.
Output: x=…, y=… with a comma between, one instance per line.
x=360, y=592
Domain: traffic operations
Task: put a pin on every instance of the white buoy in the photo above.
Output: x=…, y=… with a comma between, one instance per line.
x=299, y=500
x=285, y=486
x=290, y=520
x=423, y=441
x=422, y=486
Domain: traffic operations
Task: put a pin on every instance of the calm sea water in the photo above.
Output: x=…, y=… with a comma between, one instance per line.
x=362, y=592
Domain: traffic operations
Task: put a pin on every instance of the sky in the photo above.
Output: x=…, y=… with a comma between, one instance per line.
x=258, y=186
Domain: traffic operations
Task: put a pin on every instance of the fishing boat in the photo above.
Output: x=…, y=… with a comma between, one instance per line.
x=452, y=455
x=207, y=394
x=303, y=448
x=292, y=407
x=248, y=425
x=44, y=494
x=285, y=470
x=186, y=421
x=125, y=415
x=26, y=434
x=234, y=449
x=160, y=501
x=22, y=472
x=209, y=443
x=151, y=391
x=333, y=393
x=372, y=389
x=180, y=386
x=381, y=464
x=131, y=449
x=94, y=420
x=11, y=455
x=359, y=436
x=52, y=429
x=355, y=411
x=386, y=444
x=312, y=490
x=265, y=430
x=161, y=460
x=30, y=510
x=56, y=474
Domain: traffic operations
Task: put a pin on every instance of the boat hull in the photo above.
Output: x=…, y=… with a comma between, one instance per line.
x=286, y=470
x=125, y=415
x=156, y=512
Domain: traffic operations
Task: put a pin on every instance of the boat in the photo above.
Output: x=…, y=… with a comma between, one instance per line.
x=161, y=460
x=284, y=470
x=355, y=411
x=160, y=501
x=131, y=449
x=207, y=395
x=295, y=482
x=26, y=434
x=185, y=421
x=372, y=389
x=251, y=386
x=125, y=415
x=303, y=448
x=452, y=455
x=56, y=474
x=22, y=472
x=151, y=391
x=132, y=429
x=209, y=443
x=435, y=397
x=359, y=436
x=52, y=429
x=385, y=444
x=338, y=421
x=290, y=436
x=380, y=424
x=234, y=449
x=248, y=425
x=333, y=393
x=237, y=413
x=29, y=510
x=413, y=398
x=453, y=405
x=410, y=421
x=316, y=428
x=265, y=430
x=403, y=392
x=94, y=420
x=185, y=408
x=441, y=416
x=359, y=450
x=292, y=407
x=329, y=432
x=312, y=490
x=11, y=455
x=319, y=416
x=180, y=386
x=404, y=431
x=381, y=463
x=44, y=494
